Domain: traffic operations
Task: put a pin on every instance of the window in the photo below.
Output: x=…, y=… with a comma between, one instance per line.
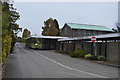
x=99, y=33
x=94, y=32
x=88, y=33
x=65, y=30
x=78, y=33
x=84, y=32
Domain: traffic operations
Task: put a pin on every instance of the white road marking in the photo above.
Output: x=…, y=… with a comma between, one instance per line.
x=69, y=67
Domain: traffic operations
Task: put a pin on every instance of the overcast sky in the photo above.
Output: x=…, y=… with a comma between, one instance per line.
x=33, y=14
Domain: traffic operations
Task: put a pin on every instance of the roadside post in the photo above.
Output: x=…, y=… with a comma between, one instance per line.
x=93, y=39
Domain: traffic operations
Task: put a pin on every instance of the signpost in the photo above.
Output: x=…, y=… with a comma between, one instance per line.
x=93, y=39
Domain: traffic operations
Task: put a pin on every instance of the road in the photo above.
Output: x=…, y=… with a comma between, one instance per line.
x=28, y=63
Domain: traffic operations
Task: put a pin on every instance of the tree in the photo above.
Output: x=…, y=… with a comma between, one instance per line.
x=19, y=39
x=56, y=24
x=26, y=33
x=117, y=27
x=9, y=28
x=0, y=30
x=50, y=28
x=6, y=46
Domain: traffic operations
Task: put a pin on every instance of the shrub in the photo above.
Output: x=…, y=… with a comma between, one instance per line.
x=4, y=55
x=59, y=51
x=74, y=55
x=64, y=52
x=95, y=57
x=33, y=45
x=78, y=53
x=56, y=51
x=6, y=46
x=88, y=56
x=68, y=52
x=101, y=58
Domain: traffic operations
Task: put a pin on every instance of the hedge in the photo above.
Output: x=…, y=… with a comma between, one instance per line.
x=78, y=53
x=6, y=47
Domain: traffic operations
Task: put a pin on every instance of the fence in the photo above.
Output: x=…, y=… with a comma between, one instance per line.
x=108, y=49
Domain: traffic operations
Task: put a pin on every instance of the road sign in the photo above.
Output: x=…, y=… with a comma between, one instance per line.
x=93, y=39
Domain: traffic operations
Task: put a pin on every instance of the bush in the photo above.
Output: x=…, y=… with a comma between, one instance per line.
x=6, y=46
x=68, y=52
x=95, y=58
x=78, y=53
x=64, y=52
x=4, y=55
x=33, y=45
x=88, y=56
x=7, y=40
x=59, y=51
x=101, y=58
x=13, y=41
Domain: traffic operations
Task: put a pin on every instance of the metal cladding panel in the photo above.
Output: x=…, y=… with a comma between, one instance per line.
x=117, y=35
x=89, y=27
x=46, y=37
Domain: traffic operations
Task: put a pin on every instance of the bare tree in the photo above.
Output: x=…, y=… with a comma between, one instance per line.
x=117, y=27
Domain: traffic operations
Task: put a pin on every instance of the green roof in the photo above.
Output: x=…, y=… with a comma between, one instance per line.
x=89, y=27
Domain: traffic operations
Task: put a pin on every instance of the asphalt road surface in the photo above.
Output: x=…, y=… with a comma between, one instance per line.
x=28, y=63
